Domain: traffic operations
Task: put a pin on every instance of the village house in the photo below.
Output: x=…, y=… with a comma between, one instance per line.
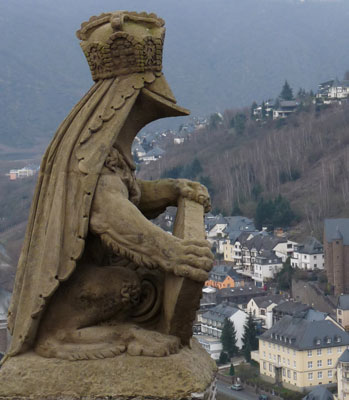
x=285, y=108
x=219, y=229
x=155, y=154
x=212, y=345
x=212, y=321
x=339, y=89
x=266, y=266
x=224, y=276
x=343, y=311
x=240, y=295
x=308, y=255
x=21, y=173
x=264, y=110
x=288, y=308
x=301, y=353
x=242, y=250
x=343, y=376
x=261, y=309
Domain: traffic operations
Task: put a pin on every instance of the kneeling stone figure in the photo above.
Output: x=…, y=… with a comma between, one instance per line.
x=94, y=276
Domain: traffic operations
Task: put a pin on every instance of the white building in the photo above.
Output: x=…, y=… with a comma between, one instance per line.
x=212, y=345
x=343, y=376
x=212, y=321
x=309, y=255
x=339, y=90
x=266, y=266
x=22, y=173
x=261, y=309
x=285, y=249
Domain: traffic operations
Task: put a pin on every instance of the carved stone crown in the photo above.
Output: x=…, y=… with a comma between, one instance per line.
x=122, y=43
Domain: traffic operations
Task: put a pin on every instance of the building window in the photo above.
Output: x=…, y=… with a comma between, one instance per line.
x=310, y=376
x=339, y=312
x=294, y=364
x=310, y=364
x=270, y=367
x=295, y=376
x=319, y=363
x=288, y=373
x=329, y=350
x=340, y=320
x=264, y=365
x=330, y=373
x=294, y=352
x=310, y=353
x=319, y=375
x=283, y=372
x=288, y=362
x=318, y=352
x=283, y=360
x=264, y=354
x=329, y=362
x=339, y=349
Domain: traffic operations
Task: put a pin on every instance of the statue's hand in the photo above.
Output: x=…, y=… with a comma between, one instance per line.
x=191, y=259
x=194, y=191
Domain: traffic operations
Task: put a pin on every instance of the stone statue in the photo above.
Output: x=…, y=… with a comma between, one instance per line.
x=104, y=300
x=96, y=278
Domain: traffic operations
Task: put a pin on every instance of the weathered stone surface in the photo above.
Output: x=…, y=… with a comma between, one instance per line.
x=104, y=300
x=173, y=377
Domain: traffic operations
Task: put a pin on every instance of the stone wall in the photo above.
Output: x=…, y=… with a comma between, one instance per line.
x=309, y=293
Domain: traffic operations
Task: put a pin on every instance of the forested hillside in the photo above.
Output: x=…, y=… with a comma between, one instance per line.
x=304, y=158
x=218, y=54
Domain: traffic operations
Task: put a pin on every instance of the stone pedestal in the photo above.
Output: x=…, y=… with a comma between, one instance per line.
x=187, y=375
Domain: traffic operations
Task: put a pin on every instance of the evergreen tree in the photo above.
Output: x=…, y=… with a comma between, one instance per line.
x=249, y=338
x=263, y=111
x=223, y=358
x=253, y=107
x=236, y=209
x=239, y=123
x=232, y=370
x=286, y=92
x=228, y=338
x=284, y=277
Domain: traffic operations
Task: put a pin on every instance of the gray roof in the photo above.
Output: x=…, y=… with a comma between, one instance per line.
x=314, y=315
x=265, y=301
x=288, y=103
x=335, y=226
x=344, y=357
x=240, y=291
x=319, y=393
x=220, y=312
x=268, y=257
x=239, y=223
x=343, y=302
x=310, y=246
x=291, y=307
x=220, y=272
x=263, y=241
x=302, y=334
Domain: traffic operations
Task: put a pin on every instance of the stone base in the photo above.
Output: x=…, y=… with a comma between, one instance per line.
x=189, y=374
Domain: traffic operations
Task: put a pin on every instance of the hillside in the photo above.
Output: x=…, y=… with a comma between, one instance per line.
x=305, y=159
x=218, y=54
